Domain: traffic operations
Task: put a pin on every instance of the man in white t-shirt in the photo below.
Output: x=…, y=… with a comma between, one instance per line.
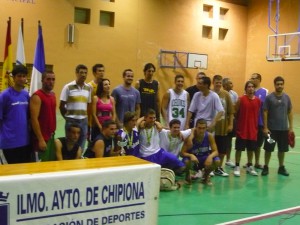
x=172, y=140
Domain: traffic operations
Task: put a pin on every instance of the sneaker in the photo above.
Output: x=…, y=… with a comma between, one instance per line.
x=230, y=164
x=212, y=174
x=265, y=171
x=220, y=172
x=251, y=171
x=283, y=171
x=237, y=171
x=197, y=175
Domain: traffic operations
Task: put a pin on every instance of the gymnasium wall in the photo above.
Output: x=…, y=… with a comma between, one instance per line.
x=142, y=28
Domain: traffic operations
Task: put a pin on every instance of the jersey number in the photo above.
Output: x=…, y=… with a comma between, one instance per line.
x=176, y=113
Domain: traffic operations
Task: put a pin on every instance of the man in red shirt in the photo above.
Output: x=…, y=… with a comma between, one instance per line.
x=247, y=111
x=43, y=118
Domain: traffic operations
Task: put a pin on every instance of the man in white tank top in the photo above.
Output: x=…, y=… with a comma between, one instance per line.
x=175, y=103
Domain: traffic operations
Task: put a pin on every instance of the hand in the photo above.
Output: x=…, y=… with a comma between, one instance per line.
x=194, y=159
x=42, y=145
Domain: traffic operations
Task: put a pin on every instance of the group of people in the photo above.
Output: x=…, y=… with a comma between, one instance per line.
x=194, y=134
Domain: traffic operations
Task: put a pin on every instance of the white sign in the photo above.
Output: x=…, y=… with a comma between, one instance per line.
x=116, y=195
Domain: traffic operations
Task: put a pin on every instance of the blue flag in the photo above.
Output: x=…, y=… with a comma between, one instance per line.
x=39, y=65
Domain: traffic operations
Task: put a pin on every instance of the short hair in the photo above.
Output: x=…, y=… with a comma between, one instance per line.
x=278, y=78
x=107, y=123
x=174, y=121
x=201, y=121
x=206, y=80
x=19, y=69
x=178, y=76
x=99, y=90
x=258, y=76
x=225, y=81
x=79, y=67
x=217, y=77
x=149, y=66
x=96, y=66
x=73, y=125
x=128, y=116
x=125, y=71
x=44, y=74
x=150, y=112
x=247, y=83
x=202, y=74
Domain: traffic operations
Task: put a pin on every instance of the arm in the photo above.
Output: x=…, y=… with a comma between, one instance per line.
x=215, y=120
x=158, y=125
x=230, y=113
x=138, y=110
x=79, y=153
x=164, y=106
x=140, y=123
x=290, y=119
x=184, y=150
x=188, y=119
x=35, y=106
x=62, y=108
x=266, y=129
x=98, y=149
x=113, y=112
x=94, y=112
x=58, y=150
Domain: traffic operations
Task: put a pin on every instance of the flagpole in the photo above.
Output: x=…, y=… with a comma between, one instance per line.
x=22, y=27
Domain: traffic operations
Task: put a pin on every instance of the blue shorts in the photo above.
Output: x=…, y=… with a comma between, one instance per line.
x=165, y=159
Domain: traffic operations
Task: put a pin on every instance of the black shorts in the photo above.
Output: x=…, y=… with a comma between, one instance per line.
x=221, y=142
x=260, y=137
x=281, y=138
x=242, y=144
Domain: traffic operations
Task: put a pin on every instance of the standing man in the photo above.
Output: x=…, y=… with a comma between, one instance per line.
x=98, y=73
x=227, y=86
x=261, y=93
x=278, y=122
x=247, y=111
x=175, y=103
x=206, y=104
x=224, y=125
x=193, y=90
x=149, y=91
x=127, y=98
x=74, y=100
x=14, y=119
x=43, y=118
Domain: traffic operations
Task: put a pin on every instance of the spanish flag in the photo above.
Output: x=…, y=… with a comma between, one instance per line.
x=6, y=80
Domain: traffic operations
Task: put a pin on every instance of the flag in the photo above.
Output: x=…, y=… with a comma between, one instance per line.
x=7, y=63
x=20, y=56
x=39, y=63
